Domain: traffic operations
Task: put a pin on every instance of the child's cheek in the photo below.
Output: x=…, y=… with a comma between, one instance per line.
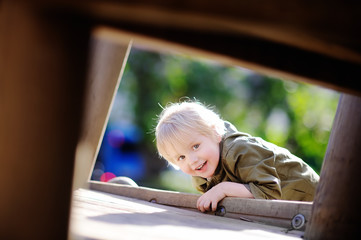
x=187, y=170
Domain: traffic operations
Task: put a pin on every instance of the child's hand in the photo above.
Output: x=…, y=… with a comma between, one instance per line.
x=209, y=200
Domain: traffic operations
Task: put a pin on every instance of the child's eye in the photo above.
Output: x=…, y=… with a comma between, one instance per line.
x=182, y=157
x=195, y=146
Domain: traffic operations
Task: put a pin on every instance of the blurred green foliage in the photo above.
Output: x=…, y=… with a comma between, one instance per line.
x=294, y=115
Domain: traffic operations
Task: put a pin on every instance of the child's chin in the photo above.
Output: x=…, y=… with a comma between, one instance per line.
x=207, y=175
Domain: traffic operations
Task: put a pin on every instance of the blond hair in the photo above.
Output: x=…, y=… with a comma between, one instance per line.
x=178, y=121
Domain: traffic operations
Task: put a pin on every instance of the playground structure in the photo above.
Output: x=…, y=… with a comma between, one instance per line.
x=49, y=120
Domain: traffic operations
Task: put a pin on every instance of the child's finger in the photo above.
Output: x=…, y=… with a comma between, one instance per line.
x=206, y=205
x=203, y=204
x=200, y=204
x=214, y=205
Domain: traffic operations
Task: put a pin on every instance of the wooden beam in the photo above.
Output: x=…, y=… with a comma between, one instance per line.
x=269, y=58
x=108, y=57
x=314, y=41
x=272, y=212
x=42, y=78
x=307, y=25
x=335, y=213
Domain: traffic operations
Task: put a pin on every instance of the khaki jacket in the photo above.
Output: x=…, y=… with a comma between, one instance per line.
x=268, y=171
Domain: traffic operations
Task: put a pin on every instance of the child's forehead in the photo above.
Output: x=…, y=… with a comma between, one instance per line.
x=180, y=144
x=183, y=138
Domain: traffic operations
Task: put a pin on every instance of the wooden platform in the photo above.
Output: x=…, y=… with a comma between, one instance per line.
x=98, y=215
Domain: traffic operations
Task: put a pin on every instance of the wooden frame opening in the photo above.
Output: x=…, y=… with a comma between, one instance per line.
x=111, y=48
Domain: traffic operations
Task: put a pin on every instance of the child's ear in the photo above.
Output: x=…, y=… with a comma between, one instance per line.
x=216, y=134
x=219, y=138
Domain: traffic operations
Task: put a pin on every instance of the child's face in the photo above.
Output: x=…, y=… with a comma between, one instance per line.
x=199, y=156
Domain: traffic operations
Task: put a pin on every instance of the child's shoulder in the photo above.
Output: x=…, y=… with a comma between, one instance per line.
x=240, y=141
x=233, y=136
x=235, y=142
x=232, y=132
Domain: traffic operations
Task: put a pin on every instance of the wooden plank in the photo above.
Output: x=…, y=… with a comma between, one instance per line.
x=42, y=79
x=273, y=212
x=244, y=51
x=335, y=212
x=302, y=24
x=99, y=215
x=107, y=62
x=314, y=41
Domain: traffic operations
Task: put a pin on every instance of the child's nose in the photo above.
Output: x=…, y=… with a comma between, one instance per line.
x=192, y=158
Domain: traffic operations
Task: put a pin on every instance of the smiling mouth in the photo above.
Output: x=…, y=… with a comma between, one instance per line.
x=201, y=166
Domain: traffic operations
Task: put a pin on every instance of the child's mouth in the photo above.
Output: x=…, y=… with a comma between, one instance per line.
x=201, y=166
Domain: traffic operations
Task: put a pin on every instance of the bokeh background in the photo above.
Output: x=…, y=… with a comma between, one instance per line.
x=293, y=115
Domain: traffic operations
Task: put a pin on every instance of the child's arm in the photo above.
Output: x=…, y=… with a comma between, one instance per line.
x=209, y=200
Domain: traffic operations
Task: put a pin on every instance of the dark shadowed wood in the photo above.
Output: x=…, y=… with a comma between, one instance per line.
x=335, y=212
x=316, y=42
x=43, y=65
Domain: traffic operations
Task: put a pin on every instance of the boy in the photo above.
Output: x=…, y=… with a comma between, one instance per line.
x=225, y=162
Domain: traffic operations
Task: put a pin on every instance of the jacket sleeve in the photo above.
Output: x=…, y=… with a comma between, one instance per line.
x=254, y=164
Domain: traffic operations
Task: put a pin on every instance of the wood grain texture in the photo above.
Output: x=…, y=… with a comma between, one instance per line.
x=99, y=215
x=107, y=62
x=273, y=212
x=335, y=214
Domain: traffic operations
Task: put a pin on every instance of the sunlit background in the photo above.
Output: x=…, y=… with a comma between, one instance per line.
x=293, y=115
